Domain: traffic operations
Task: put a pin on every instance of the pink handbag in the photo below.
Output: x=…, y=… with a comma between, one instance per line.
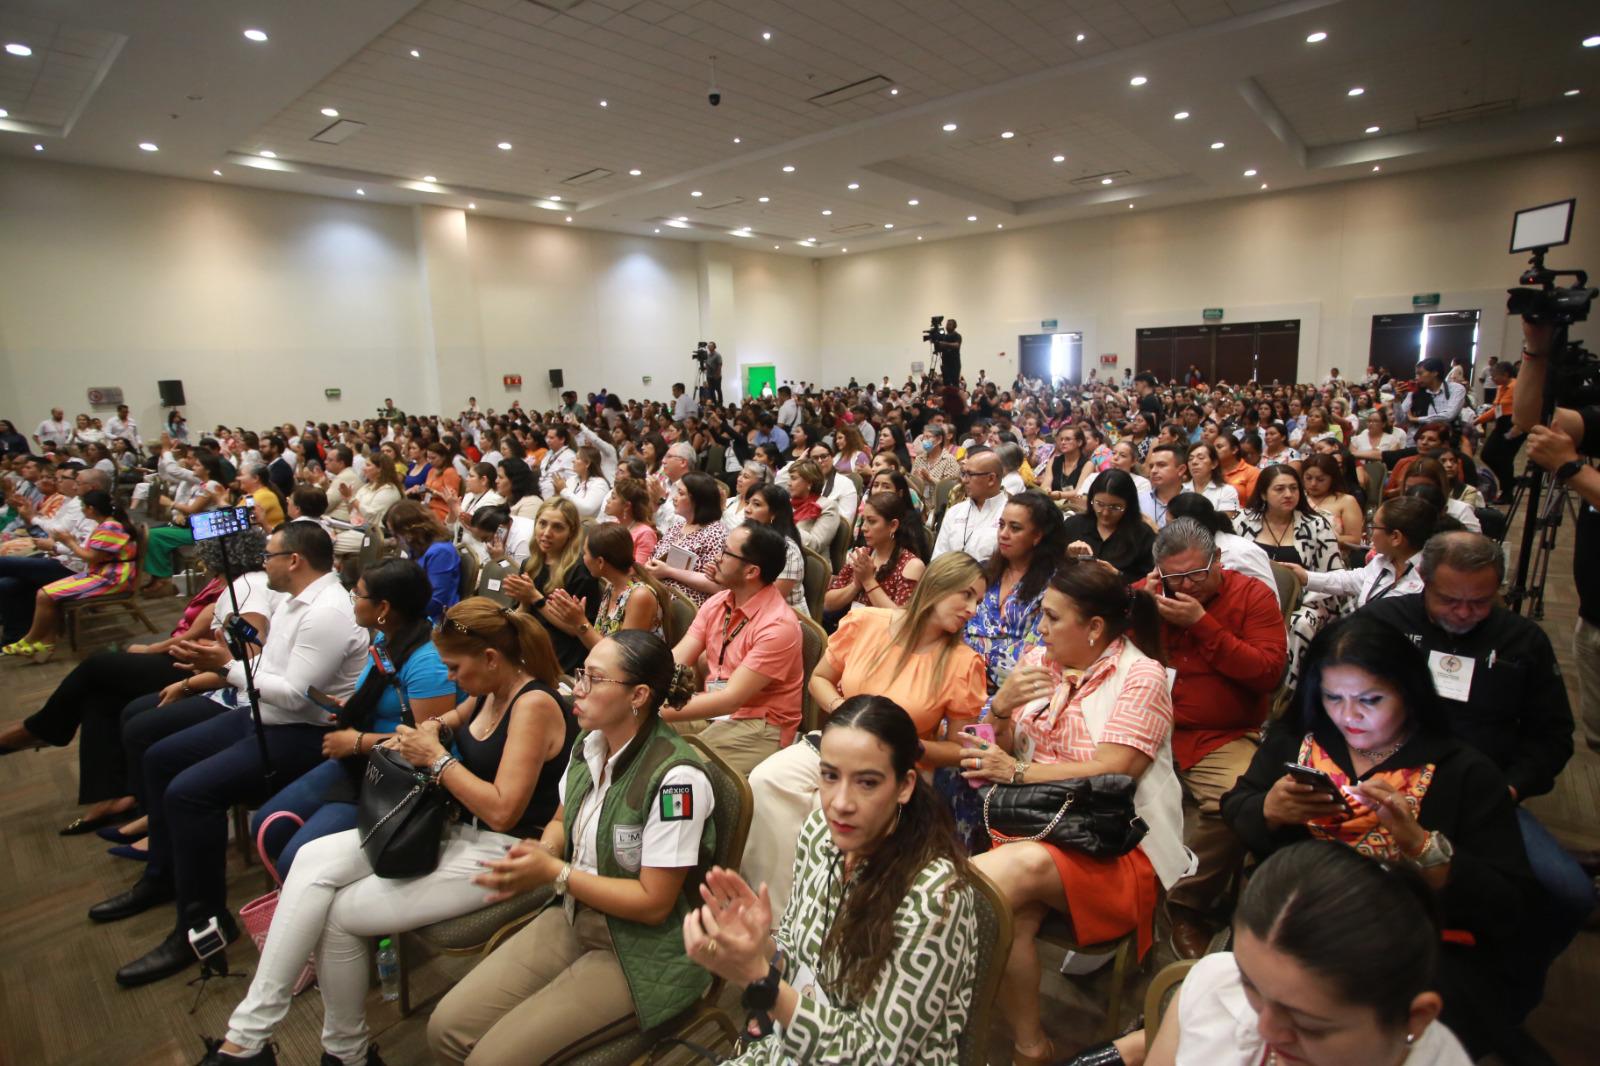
x=257, y=914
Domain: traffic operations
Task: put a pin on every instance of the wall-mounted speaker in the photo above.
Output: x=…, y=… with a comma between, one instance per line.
x=556, y=380
x=171, y=393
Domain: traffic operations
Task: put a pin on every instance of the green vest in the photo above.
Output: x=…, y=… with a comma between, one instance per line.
x=662, y=978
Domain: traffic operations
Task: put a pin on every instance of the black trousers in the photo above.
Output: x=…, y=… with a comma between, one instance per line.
x=144, y=724
x=92, y=698
x=950, y=367
x=1500, y=455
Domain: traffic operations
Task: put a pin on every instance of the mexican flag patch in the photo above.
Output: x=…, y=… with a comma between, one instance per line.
x=677, y=803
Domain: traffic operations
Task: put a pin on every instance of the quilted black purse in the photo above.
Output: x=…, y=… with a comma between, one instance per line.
x=1094, y=815
x=401, y=816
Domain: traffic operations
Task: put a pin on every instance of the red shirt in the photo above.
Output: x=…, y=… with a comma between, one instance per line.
x=1228, y=665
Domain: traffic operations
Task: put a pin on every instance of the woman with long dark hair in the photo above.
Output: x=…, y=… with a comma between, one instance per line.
x=1280, y=519
x=1113, y=717
x=769, y=506
x=876, y=950
x=1028, y=547
x=518, y=486
x=884, y=569
x=1113, y=529
x=700, y=534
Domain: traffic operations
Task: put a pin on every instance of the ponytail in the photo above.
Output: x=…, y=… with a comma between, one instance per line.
x=478, y=623
x=1099, y=593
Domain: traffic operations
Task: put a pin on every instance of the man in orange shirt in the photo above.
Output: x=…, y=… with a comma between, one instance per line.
x=748, y=639
x=1500, y=449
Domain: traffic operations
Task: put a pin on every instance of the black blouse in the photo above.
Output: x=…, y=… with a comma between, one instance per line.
x=1130, y=549
x=581, y=585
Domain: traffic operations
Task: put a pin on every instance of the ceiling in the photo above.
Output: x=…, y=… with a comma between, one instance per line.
x=586, y=91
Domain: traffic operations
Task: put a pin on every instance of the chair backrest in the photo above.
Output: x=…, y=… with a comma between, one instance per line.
x=677, y=615
x=855, y=479
x=1161, y=986
x=1288, y=590
x=733, y=809
x=1493, y=521
x=839, y=550
x=152, y=503
x=491, y=578
x=941, y=500
x=716, y=460
x=813, y=644
x=815, y=582
x=1376, y=472
x=992, y=949
x=469, y=572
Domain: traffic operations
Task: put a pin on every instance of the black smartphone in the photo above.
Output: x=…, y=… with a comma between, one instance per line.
x=1317, y=779
x=323, y=700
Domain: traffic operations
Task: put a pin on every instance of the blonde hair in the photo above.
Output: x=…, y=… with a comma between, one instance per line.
x=571, y=555
x=948, y=574
x=478, y=623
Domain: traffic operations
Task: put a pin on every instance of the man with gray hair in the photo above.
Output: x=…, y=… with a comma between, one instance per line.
x=1498, y=679
x=1226, y=650
x=679, y=460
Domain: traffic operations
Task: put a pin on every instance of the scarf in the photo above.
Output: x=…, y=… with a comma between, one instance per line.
x=1362, y=830
x=807, y=510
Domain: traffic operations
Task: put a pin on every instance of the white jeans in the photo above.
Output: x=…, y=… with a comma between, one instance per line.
x=784, y=789
x=332, y=903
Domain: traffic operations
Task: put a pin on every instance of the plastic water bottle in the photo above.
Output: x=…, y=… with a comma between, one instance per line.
x=389, y=970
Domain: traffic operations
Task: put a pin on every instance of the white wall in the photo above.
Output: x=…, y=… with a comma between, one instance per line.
x=1332, y=256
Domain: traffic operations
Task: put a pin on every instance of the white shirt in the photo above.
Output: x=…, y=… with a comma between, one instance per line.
x=313, y=641
x=1218, y=1027
x=1372, y=582
x=1446, y=407
x=608, y=452
x=1012, y=483
x=519, y=539
x=845, y=495
x=972, y=529
x=684, y=407
x=587, y=497
x=1463, y=514
x=788, y=414
x=1244, y=556
x=124, y=428
x=662, y=843
x=1223, y=497
x=60, y=432
x=556, y=462
x=474, y=501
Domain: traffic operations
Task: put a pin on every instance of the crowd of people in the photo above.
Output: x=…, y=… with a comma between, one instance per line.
x=1271, y=611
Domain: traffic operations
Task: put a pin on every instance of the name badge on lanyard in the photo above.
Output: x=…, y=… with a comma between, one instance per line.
x=1452, y=674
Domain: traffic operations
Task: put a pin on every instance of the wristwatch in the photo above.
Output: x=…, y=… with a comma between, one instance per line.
x=562, y=878
x=438, y=766
x=762, y=995
x=1019, y=769
x=1436, y=852
x=1567, y=469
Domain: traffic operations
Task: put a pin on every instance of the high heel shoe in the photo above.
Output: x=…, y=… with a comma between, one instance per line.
x=1045, y=1056
x=21, y=740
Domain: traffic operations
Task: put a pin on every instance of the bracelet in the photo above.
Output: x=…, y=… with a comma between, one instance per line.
x=187, y=691
x=870, y=591
x=359, y=736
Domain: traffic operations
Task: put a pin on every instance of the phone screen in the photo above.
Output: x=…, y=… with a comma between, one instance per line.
x=1309, y=775
x=208, y=525
x=322, y=699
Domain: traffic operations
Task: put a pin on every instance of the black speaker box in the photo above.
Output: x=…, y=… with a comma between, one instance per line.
x=556, y=380
x=171, y=393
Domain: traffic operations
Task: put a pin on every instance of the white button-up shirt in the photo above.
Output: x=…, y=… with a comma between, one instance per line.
x=667, y=840
x=971, y=528
x=1372, y=582
x=313, y=641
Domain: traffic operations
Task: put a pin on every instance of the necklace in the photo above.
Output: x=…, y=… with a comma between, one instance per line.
x=1379, y=755
x=1277, y=538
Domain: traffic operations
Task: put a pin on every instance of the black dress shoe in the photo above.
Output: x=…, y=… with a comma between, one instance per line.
x=146, y=892
x=329, y=1060
x=80, y=826
x=267, y=1056
x=1105, y=1054
x=172, y=956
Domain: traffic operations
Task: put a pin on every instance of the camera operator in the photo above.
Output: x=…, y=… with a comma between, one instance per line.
x=948, y=345
x=1559, y=448
x=713, y=368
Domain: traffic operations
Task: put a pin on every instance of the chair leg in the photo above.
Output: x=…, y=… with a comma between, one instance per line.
x=1120, y=966
x=403, y=964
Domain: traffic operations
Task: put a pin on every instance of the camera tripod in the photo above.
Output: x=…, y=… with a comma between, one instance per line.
x=1538, y=538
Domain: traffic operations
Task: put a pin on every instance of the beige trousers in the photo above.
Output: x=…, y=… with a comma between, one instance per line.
x=785, y=789
x=1216, y=846
x=543, y=990
x=742, y=742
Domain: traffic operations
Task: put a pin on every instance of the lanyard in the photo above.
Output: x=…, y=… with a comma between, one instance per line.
x=727, y=636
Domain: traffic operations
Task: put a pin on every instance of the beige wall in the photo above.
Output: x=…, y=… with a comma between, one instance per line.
x=1332, y=256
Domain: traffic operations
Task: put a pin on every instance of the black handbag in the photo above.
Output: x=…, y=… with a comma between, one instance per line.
x=1094, y=815
x=401, y=816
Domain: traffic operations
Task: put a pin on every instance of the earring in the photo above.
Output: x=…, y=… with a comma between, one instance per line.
x=1411, y=1038
x=383, y=619
x=899, y=807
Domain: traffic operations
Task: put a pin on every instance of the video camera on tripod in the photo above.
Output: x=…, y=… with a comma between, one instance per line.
x=934, y=331
x=701, y=354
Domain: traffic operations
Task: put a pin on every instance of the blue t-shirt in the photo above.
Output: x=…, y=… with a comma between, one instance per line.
x=424, y=676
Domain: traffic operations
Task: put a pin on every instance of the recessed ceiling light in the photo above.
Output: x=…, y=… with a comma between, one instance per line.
x=429, y=178
x=1180, y=115
x=788, y=168
x=919, y=236
x=1058, y=159
x=738, y=140
x=949, y=127
x=1250, y=173
x=1376, y=168
x=147, y=146
x=1137, y=80
x=1081, y=36
x=1355, y=91
x=1217, y=145
x=553, y=199
x=1373, y=129
x=1130, y=207
x=1105, y=181
x=894, y=92
x=843, y=250
x=38, y=148
x=763, y=199
x=1558, y=138
x=361, y=192
x=1570, y=92
x=913, y=203
x=216, y=173
x=472, y=207
x=888, y=225
x=635, y=172
x=827, y=211
x=415, y=54
x=1007, y=135
x=4, y=113
x=682, y=218
x=257, y=36
x=1591, y=42
x=696, y=193
x=766, y=35
x=1264, y=184
x=972, y=218
x=1316, y=38
x=853, y=186
x=999, y=225
x=19, y=49
x=331, y=112
x=658, y=229
x=569, y=218
x=775, y=247
x=504, y=146
x=267, y=153
x=605, y=103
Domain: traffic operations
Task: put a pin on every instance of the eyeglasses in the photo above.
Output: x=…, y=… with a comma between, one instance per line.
x=584, y=679
x=734, y=554
x=1380, y=529
x=274, y=555
x=969, y=474
x=1108, y=508
x=1191, y=576
x=354, y=596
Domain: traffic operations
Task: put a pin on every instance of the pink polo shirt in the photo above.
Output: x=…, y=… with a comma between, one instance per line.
x=764, y=635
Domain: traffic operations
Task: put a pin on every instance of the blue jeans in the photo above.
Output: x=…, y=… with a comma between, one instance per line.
x=1569, y=899
x=304, y=797
x=20, y=580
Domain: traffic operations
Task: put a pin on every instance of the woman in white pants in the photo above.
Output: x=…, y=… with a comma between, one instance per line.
x=511, y=729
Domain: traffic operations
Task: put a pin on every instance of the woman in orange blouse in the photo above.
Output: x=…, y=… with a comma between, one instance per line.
x=1092, y=699
x=441, y=476
x=914, y=656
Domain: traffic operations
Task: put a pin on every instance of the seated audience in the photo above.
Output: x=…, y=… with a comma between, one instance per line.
x=1205, y=477
x=1279, y=518
x=1424, y=470
x=747, y=638
x=875, y=959
x=1027, y=551
x=1113, y=530
x=629, y=505
x=1323, y=479
x=1400, y=789
x=265, y=495
x=1239, y=554
x=884, y=569
x=513, y=737
x=690, y=551
x=770, y=506
x=1100, y=706
x=518, y=486
x=610, y=957
x=1235, y=469
x=586, y=487
x=752, y=475
x=1069, y=470
x=23, y=575
x=972, y=524
x=426, y=542
x=554, y=572
x=204, y=489
x=629, y=598
x=816, y=516
x=914, y=656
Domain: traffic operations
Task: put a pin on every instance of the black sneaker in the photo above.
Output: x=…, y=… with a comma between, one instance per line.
x=329, y=1060
x=267, y=1056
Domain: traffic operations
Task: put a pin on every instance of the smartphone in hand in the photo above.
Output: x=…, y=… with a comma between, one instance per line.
x=1310, y=775
x=323, y=700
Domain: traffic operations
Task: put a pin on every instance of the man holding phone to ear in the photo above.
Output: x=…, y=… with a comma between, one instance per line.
x=193, y=776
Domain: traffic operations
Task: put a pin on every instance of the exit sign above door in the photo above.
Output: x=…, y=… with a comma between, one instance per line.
x=1212, y=314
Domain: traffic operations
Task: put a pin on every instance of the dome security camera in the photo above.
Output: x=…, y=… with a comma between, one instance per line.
x=713, y=98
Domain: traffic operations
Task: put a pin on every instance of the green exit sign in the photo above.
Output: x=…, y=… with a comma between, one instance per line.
x=332, y=394
x=1425, y=299
x=1047, y=323
x=1212, y=314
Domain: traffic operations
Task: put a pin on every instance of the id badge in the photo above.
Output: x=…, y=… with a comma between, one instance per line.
x=716, y=686
x=493, y=584
x=1452, y=674
x=1025, y=745
x=806, y=984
